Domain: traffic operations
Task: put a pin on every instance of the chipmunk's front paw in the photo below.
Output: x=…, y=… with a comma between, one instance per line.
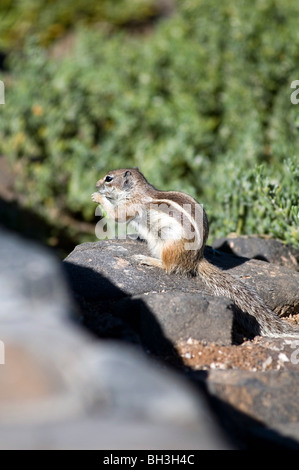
x=96, y=197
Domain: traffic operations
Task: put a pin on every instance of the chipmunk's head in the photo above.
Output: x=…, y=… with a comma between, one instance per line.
x=120, y=184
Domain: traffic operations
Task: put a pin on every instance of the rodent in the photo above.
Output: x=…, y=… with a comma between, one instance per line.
x=176, y=229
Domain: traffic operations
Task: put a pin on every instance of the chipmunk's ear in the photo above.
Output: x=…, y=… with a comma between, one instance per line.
x=128, y=178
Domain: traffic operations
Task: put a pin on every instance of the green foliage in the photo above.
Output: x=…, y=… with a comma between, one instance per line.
x=262, y=201
x=51, y=19
x=196, y=104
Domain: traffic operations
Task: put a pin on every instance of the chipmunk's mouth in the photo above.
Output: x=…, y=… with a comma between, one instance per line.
x=107, y=193
x=102, y=190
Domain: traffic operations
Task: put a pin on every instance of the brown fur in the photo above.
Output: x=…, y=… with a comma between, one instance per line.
x=129, y=194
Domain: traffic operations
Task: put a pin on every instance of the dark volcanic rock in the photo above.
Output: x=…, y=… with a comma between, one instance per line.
x=158, y=306
x=276, y=285
x=93, y=267
x=267, y=396
x=175, y=316
x=163, y=310
x=61, y=389
x=174, y=306
x=264, y=249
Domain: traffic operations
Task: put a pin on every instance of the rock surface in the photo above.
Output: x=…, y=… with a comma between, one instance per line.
x=103, y=273
x=62, y=389
x=265, y=249
x=65, y=388
x=178, y=319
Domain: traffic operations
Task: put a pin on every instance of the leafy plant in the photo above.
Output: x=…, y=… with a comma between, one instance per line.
x=51, y=19
x=198, y=104
x=262, y=201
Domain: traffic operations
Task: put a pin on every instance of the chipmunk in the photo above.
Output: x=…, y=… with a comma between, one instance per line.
x=176, y=229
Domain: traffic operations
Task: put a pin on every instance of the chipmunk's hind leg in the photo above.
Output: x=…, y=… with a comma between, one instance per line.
x=177, y=259
x=172, y=255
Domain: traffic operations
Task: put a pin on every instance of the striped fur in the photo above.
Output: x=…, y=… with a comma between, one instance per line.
x=176, y=228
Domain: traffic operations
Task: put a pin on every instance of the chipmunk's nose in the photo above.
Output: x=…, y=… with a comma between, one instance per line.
x=98, y=184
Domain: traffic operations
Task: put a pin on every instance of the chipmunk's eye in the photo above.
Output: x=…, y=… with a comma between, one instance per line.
x=108, y=179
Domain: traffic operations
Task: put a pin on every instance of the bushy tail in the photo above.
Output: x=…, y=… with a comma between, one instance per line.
x=223, y=284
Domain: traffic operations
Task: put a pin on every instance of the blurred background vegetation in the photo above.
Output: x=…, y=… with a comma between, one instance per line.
x=196, y=93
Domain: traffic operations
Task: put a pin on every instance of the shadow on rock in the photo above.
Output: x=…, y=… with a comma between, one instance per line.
x=108, y=312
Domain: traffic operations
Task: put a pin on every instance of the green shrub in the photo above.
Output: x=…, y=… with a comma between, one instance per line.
x=196, y=105
x=263, y=200
x=51, y=19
